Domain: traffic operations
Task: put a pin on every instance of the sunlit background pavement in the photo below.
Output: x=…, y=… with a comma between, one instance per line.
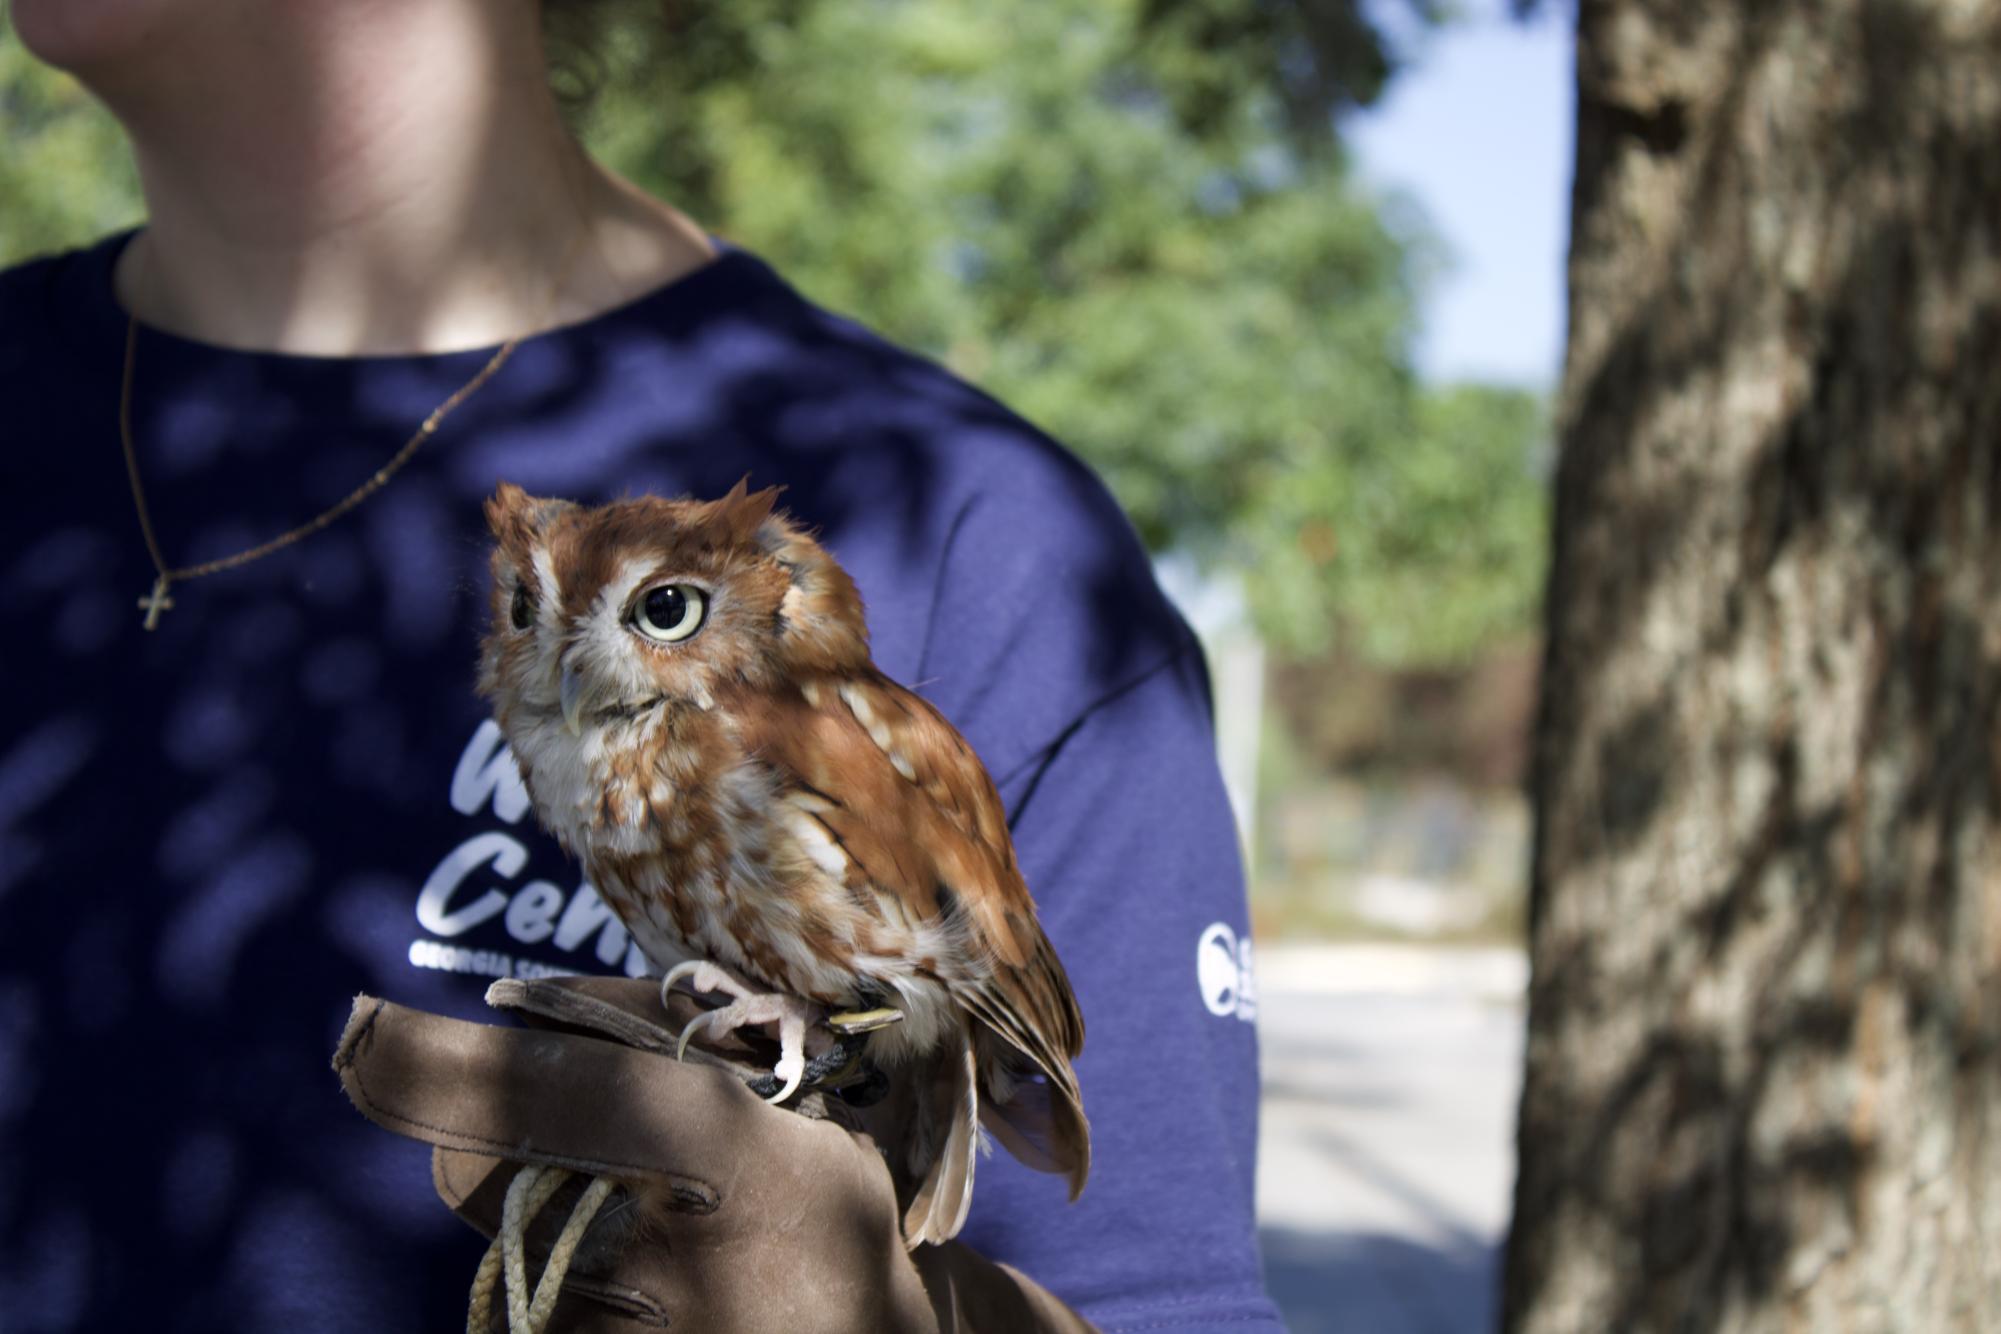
x=1390, y=1077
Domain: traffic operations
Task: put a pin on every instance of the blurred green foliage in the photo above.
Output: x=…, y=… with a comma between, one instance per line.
x=1127, y=218
x=65, y=176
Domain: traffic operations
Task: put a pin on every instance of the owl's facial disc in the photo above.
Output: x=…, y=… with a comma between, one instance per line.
x=586, y=697
x=657, y=619
x=573, y=697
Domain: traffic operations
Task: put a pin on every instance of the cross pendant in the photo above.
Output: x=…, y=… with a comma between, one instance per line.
x=156, y=602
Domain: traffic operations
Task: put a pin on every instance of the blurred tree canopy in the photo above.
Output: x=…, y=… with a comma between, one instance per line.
x=1129, y=219
x=65, y=177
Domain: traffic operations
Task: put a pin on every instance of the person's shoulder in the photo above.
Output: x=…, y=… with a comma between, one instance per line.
x=57, y=334
x=28, y=297
x=29, y=287
x=36, y=272
x=1045, y=597
x=39, y=298
x=1002, y=474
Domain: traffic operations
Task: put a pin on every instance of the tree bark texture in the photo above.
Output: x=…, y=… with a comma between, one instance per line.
x=1763, y=1085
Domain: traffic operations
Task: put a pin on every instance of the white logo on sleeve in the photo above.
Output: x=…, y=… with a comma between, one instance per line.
x=1223, y=972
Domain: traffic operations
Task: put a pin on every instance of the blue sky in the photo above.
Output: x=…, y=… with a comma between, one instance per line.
x=1476, y=132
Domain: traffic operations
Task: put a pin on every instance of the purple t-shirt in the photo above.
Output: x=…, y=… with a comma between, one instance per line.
x=213, y=835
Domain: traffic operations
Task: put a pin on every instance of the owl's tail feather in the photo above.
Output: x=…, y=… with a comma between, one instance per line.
x=1044, y=1128
x=1025, y=1129
x=938, y=1210
x=1031, y=1083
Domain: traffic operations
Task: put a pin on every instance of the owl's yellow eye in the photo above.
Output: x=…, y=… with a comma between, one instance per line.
x=671, y=612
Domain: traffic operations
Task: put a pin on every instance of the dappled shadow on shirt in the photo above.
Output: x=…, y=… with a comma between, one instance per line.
x=213, y=834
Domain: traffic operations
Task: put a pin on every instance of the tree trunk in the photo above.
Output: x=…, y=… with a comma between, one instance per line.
x=1763, y=1086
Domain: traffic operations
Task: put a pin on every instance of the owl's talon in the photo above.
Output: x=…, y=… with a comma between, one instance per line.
x=789, y=1013
x=790, y=1071
x=681, y=1047
x=704, y=977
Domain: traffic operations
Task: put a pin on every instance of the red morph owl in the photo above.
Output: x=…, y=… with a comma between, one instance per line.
x=688, y=691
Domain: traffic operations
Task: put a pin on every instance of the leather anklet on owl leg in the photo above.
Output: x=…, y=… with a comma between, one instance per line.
x=790, y=1013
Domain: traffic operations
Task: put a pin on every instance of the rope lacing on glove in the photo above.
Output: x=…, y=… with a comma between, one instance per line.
x=506, y=1257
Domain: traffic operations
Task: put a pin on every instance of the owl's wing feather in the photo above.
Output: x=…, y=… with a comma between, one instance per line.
x=1042, y=1124
x=902, y=794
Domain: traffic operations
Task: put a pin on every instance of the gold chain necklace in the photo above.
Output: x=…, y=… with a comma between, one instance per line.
x=157, y=601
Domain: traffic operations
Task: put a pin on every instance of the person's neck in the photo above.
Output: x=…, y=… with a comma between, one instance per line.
x=397, y=181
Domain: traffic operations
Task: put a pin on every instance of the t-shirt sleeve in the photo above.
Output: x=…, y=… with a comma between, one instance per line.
x=1045, y=604
x=1125, y=834
x=1055, y=652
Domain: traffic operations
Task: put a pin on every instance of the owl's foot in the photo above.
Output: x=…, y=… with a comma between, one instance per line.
x=790, y=1013
x=701, y=975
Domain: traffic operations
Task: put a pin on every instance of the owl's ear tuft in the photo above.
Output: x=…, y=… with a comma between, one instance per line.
x=510, y=514
x=743, y=511
x=519, y=519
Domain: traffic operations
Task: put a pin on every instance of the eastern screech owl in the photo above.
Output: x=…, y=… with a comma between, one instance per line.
x=687, y=689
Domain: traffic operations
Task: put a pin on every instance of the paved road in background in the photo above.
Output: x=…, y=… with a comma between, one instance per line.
x=1390, y=1078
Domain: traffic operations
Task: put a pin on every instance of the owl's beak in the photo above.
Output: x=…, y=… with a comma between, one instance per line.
x=573, y=699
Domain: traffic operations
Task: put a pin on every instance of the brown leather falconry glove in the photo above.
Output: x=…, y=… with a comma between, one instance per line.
x=638, y=1191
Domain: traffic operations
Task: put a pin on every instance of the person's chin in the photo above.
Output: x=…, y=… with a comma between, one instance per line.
x=84, y=36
